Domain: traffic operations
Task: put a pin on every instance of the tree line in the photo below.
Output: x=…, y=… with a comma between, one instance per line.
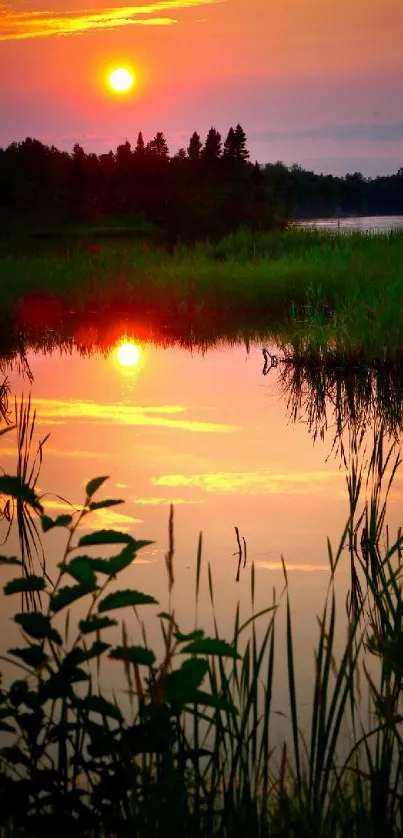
x=206, y=189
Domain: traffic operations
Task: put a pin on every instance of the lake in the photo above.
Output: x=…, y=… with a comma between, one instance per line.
x=246, y=447
x=360, y=224
x=229, y=447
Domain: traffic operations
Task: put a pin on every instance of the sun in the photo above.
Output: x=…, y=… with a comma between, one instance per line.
x=121, y=80
x=128, y=354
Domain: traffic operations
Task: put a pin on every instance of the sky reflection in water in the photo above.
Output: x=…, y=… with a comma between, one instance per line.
x=211, y=435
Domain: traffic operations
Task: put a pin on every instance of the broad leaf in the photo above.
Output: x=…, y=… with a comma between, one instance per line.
x=215, y=701
x=181, y=686
x=122, y=599
x=59, y=683
x=6, y=727
x=14, y=487
x=115, y=564
x=79, y=655
x=94, y=484
x=197, y=634
x=95, y=624
x=98, y=704
x=31, y=655
x=211, y=646
x=133, y=654
x=38, y=625
x=105, y=537
x=25, y=584
x=80, y=568
x=65, y=596
x=10, y=560
x=49, y=523
x=104, y=504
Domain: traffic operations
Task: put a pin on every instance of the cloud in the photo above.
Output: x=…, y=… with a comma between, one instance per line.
x=307, y=568
x=262, y=482
x=154, y=501
x=366, y=131
x=55, y=410
x=107, y=518
x=17, y=25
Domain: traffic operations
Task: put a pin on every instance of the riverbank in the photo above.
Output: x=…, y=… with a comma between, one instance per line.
x=322, y=288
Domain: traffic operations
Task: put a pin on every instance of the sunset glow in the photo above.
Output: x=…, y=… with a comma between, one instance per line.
x=128, y=354
x=311, y=83
x=121, y=80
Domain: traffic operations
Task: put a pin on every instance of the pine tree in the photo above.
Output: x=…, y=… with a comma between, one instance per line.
x=230, y=146
x=194, y=147
x=212, y=147
x=140, y=146
x=157, y=147
x=241, y=152
x=124, y=155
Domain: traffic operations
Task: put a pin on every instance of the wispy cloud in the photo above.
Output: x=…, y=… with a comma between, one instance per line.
x=107, y=518
x=40, y=23
x=366, y=131
x=262, y=482
x=154, y=501
x=55, y=410
x=306, y=568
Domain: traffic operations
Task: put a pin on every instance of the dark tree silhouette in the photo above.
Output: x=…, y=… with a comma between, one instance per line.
x=205, y=191
x=229, y=152
x=194, y=147
x=241, y=151
x=157, y=147
x=140, y=145
x=212, y=147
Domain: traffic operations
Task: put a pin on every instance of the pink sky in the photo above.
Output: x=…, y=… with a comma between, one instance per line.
x=312, y=82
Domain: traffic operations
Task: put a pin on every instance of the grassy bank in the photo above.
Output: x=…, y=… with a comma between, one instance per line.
x=189, y=750
x=324, y=287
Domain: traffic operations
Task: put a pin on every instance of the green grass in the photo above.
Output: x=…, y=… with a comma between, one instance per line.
x=192, y=754
x=325, y=289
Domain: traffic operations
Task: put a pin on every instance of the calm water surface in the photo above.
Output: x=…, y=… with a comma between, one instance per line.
x=363, y=224
x=213, y=436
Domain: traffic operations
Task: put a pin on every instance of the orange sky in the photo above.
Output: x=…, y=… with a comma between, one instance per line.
x=315, y=82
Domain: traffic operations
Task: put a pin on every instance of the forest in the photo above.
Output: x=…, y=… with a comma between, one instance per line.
x=208, y=189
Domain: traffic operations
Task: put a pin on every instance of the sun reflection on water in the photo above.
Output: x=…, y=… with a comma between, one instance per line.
x=128, y=354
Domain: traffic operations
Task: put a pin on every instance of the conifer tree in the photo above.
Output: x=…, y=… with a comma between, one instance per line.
x=194, y=147
x=158, y=147
x=140, y=145
x=212, y=147
x=241, y=152
x=230, y=146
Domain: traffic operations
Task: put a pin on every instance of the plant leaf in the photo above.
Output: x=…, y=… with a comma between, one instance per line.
x=10, y=560
x=80, y=568
x=24, y=584
x=197, y=634
x=65, y=596
x=98, y=704
x=105, y=537
x=61, y=521
x=14, y=487
x=95, y=624
x=133, y=654
x=37, y=625
x=215, y=701
x=211, y=646
x=31, y=655
x=122, y=599
x=94, y=484
x=78, y=655
x=104, y=504
x=6, y=727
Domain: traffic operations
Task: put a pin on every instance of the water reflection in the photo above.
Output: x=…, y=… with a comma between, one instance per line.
x=330, y=396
